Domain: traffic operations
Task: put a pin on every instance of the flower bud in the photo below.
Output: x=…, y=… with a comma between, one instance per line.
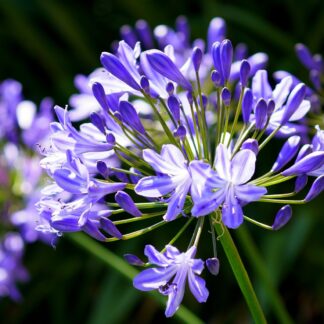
x=282, y=218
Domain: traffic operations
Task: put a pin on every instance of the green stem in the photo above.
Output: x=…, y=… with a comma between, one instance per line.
x=240, y=273
x=119, y=265
x=261, y=270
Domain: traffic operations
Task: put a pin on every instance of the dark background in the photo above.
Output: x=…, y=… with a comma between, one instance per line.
x=43, y=45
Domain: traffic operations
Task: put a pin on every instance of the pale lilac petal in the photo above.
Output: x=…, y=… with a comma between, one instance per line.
x=171, y=251
x=247, y=193
x=281, y=91
x=301, y=111
x=176, y=202
x=154, y=186
x=176, y=295
x=171, y=154
x=207, y=205
x=232, y=214
x=158, y=163
x=260, y=85
x=222, y=163
x=153, y=278
x=198, y=288
x=198, y=266
x=155, y=257
x=243, y=166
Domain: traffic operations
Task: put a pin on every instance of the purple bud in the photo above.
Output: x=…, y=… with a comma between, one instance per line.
x=133, y=260
x=169, y=88
x=109, y=227
x=213, y=265
x=240, y=52
x=260, y=114
x=128, y=35
x=226, y=96
x=244, y=72
x=304, y=56
x=111, y=139
x=162, y=63
x=204, y=101
x=315, y=77
x=294, y=100
x=182, y=27
x=282, y=218
x=98, y=122
x=247, y=103
x=216, y=31
x=134, y=178
x=103, y=169
x=307, y=164
x=189, y=97
x=300, y=183
x=130, y=116
x=216, y=78
x=251, y=144
x=99, y=94
x=318, y=62
x=217, y=60
x=144, y=33
x=271, y=107
x=116, y=68
x=126, y=202
x=180, y=132
x=226, y=58
x=174, y=106
x=287, y=152
x=316, y=188
x=196, y=58
x=145, y=84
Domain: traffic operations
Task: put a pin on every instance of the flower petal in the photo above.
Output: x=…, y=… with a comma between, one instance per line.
x=247, y=193
x=243, y=166
x=155, y=186
x=197, y=287
x=155, y=257
x=222, y=163
x=153, y=278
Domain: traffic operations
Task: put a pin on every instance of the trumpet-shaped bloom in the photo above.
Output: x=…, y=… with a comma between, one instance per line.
x=228, y=186
x=170, y=276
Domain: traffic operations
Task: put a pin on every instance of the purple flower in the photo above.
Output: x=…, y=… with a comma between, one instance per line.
x=173, y=178
x=11, y=268
x=290, y=105
x=228, y=186
x=170, y=276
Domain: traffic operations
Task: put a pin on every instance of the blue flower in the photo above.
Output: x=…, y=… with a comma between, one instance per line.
x=228, y=186
x=171, y=275
x=173, y=177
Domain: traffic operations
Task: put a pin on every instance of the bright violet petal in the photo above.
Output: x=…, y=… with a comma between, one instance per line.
x=126, y=202
x=164, y=65
x=316, y=188
x=113, y=65
x=282, y=218
x=307, y=164
x=288, y=151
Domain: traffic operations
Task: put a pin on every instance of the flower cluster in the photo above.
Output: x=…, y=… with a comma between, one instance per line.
x=22, y=131
x=176, y=133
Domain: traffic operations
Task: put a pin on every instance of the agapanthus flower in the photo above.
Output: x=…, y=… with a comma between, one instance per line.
x=193, y=156
x=170, y=277
x=11, y=269
x=228, y=186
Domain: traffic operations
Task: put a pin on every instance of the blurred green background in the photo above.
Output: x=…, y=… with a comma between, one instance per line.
x=43, y=45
